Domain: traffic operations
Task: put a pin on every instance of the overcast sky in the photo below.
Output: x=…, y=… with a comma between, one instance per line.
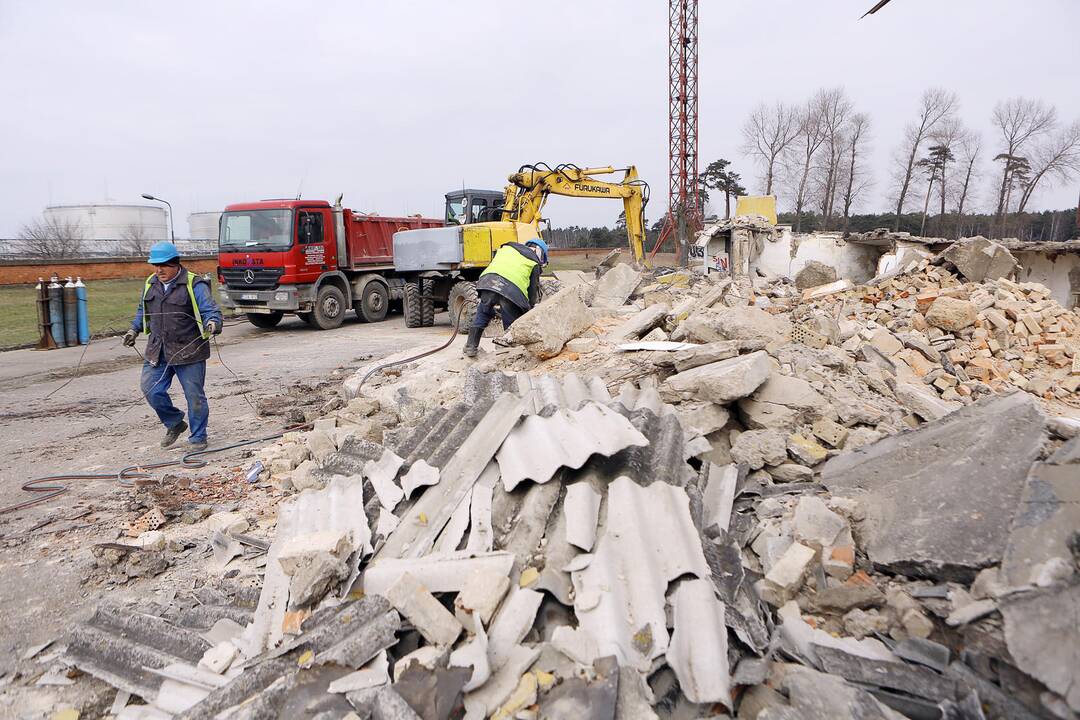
x=394, y=103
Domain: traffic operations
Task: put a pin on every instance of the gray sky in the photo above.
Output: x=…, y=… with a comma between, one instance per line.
x=394, y=103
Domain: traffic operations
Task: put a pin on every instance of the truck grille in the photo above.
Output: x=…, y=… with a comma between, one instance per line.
x=239, y=278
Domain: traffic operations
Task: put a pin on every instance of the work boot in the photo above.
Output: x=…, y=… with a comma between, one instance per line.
x=172, y=433
x=473, y=343
x=197, y=445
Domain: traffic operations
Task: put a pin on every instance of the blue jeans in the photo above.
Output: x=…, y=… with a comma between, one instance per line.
x=155, y=386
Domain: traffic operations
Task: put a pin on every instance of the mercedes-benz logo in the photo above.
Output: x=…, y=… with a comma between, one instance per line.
x=249, y=276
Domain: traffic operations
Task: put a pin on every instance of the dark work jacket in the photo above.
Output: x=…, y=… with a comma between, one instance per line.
x=500, y=285
x=171, y=320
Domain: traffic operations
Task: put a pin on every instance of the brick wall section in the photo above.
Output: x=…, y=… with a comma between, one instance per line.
x=28, y=272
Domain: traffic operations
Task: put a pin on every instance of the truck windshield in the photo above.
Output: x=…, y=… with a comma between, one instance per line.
x=256, y=229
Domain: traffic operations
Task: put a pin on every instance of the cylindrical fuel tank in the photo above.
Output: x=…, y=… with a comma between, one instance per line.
x=56, y=311
x=71, y=314
x=84, y=317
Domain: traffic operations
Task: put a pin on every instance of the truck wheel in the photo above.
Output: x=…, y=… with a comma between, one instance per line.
x=329, y=310
x=374, y=302
x=411, y=303
x=463, y=294
x=264, y=321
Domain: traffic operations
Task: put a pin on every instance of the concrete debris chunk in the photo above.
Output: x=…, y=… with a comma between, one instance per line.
x=979, y=259
x=545, y=329
x=952, y=314
x=786, y=576
x=615, y=286
x=814, y=274
x=437, y=624
x=973, y=462
x=481, y=594
x=758, y=448
x=1043, y=637
x=640, y=324
x=746, y=324
x=815, y=524
x=705, y=354
x=723, y=381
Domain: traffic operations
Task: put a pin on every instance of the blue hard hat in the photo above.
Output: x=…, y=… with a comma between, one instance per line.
x=542, y=245
x=162, y=252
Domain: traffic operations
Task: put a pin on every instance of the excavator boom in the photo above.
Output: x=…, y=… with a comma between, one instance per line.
x=530, y=186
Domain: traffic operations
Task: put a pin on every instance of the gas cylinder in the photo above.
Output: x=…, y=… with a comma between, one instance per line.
x=45, y=340
x=84, y=317
x=56, y=311
x=71, y=314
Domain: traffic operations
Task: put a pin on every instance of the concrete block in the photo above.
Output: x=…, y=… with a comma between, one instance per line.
x=815, y=524
x=758, y=448
x=723, y=381
x=545, y=329
x=786, y=576
x=483, y=592
x=805, y=451
x=952, y=314
x=433, y=621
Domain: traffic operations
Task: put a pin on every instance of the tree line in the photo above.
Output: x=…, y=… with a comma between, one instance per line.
x=815, y=156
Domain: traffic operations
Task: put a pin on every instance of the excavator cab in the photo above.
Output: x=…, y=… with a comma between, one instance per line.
x=464, y=207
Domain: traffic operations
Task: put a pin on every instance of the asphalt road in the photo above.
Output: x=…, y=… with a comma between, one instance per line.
x=96, y=420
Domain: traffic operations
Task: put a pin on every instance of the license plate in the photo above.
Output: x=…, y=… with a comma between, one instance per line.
x=249, y=296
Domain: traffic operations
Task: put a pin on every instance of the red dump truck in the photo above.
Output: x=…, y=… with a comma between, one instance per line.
x=311, y=259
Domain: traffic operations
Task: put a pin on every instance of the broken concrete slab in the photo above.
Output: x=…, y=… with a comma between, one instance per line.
x=979, y=259
x=1043, y=635
x=815, y=524
x=1048, y=515
x=758, y=448
x=782, y=401
x=738, y=323
x=973, y=462
x=723, y=381
x=706, y=353
x=545, y=329
x=437, y=624
x=702, y=418
x=615, y=286
x=924, y=402
x=638, y=325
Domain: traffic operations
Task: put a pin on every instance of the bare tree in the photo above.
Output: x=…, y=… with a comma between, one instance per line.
x=768, y=133
x=810, y=139
x=835, y=109
x=51, y=238
x=937, y=104
x=856, y=177
x=969, y=148
x=1058, y=157
x=135, y=239
x=1019, y=120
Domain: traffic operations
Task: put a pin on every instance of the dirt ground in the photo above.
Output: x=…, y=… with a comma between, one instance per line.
x=99, y=422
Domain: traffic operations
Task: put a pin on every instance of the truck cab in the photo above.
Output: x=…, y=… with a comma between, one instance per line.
x=308, y=258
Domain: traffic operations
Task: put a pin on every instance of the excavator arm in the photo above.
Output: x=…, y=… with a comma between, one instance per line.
x=530, y=186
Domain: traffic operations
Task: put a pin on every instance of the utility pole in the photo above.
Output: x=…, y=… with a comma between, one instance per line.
x=685, y=212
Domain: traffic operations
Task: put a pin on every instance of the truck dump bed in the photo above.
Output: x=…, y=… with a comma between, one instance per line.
x=370, y=238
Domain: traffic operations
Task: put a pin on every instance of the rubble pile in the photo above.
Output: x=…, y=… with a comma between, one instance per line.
x=676, y=497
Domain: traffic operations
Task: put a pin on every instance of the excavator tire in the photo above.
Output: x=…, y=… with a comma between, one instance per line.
x=411, y=304
x=463, y=293
x=427, y=305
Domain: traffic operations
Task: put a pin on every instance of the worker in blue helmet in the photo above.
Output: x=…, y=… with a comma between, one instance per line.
x=511, y=282
x=178, y=314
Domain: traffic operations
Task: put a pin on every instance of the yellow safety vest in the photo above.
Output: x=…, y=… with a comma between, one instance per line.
x=512, y=265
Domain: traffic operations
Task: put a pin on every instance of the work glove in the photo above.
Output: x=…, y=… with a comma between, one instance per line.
x=129, y=338
x=213, y=327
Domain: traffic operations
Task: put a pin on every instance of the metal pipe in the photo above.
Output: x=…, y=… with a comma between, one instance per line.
x=172, y=228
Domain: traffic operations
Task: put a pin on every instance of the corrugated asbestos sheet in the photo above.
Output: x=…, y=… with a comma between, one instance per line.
x=550, y=392
x=441, y=433
x=648, y=541
x=662, y=460
x=334, y=508
x=122, y=646
x=540, y=445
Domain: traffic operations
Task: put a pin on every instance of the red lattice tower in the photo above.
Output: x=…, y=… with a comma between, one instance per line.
x=684, y=203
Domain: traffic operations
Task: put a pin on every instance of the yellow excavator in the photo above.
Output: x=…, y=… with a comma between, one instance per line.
x=438, y=266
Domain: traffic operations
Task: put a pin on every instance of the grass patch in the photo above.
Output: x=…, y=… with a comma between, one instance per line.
x=110, y=304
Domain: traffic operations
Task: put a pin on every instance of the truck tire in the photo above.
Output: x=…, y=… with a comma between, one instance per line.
x=410, y=304
x=264, y=321
x=463, y=294
x=329, y=311
x=374, y=302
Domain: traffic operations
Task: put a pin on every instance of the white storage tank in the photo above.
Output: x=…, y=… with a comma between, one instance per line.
x=109, y=221
x=203, y=225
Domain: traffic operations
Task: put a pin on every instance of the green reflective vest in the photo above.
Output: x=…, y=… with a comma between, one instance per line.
x=194, y=304
x=512, y=265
